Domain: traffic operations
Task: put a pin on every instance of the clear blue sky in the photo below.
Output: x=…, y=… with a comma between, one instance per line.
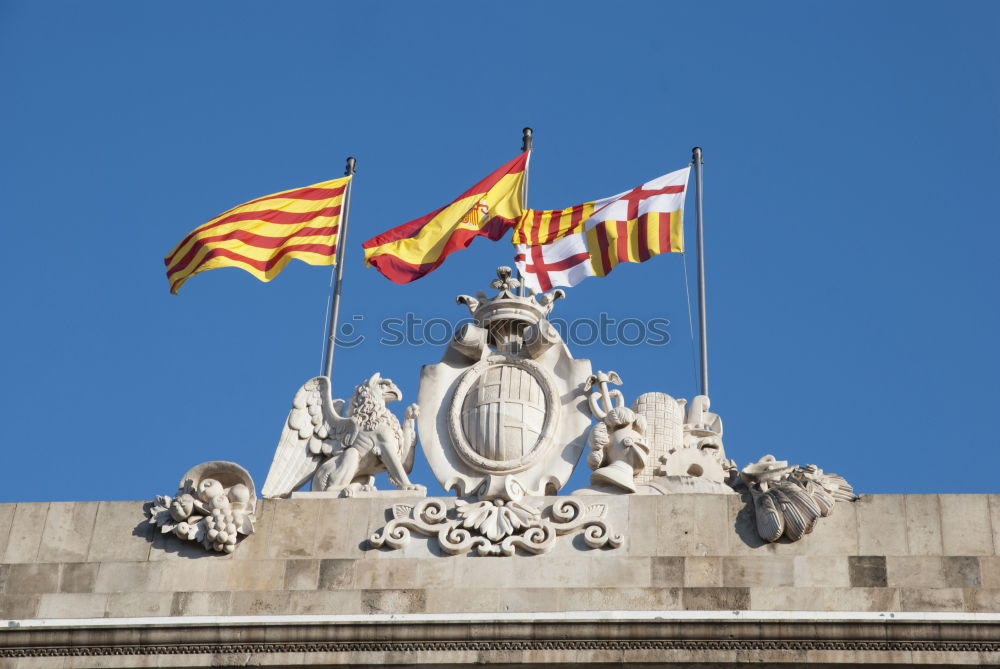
x=851, y=227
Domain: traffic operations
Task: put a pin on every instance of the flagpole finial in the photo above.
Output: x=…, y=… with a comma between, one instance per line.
x=526, y=139
x=696, y=153
x=349, y=170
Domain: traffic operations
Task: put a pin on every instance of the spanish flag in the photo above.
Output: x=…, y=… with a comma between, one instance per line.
x=262, y=235
x=488, y=209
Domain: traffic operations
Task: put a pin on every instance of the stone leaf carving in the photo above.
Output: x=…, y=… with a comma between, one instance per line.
x=497, y=527
x=339, y=446
x=214, y=506
x=789, y=500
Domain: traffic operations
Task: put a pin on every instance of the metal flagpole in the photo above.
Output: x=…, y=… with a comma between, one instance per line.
x=331, y=335
x=702, y=328
x=526, y=136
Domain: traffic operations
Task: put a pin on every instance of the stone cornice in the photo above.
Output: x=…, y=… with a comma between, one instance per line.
x=457, y=641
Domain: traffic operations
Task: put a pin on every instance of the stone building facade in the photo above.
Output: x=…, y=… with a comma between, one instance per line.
x=888, y=579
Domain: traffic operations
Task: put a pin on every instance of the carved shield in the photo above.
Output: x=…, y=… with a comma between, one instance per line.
x=503, y=413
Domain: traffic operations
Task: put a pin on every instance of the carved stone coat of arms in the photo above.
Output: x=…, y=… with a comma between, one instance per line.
x=504, y=413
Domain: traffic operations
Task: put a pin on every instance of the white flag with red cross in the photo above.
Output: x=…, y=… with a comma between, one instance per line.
x=562, y=247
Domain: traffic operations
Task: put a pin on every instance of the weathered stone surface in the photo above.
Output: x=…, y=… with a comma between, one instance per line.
x=667, y=572
x=200, y=603
x=702, y=572
x=822, y=571
x=989, y=572
x=765, y=570
x=620, y=599
x=260, y=603
x=127, y=577
x=881, y=530
x=6, y=520
x=336, y=574
x=121, y=533
x=923, y=525
x=32, y=578
x=25, y=532
x=301, y=574
x=68, y=530
x=138, y=604
x=713, y=599
x=965, y=525
x=994, y=508
x=690, y=525
x=78, y=576
x=931, y=599
x=393, y=601
x=867, y=571
x=19, y=606
x=72, y=605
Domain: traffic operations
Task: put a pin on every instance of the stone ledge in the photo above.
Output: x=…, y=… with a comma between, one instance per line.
x=576, y=637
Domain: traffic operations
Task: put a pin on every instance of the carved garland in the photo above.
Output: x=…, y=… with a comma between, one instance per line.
x=495, y=527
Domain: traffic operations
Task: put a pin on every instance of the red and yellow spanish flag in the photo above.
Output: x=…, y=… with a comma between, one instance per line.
x=262, y=235
x=488, y=209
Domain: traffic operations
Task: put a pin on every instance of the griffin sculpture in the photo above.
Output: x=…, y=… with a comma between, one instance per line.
x=341, y=445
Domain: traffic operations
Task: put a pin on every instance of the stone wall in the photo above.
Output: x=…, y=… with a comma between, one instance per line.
x=694, y=552
x=882, y=553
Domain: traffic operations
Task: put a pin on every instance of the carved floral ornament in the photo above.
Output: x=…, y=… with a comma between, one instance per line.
x=502, y=420
x=496, y=527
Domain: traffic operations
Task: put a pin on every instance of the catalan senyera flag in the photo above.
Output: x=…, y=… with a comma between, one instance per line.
x=488, y=209
x=562, y=247
x=262, y=235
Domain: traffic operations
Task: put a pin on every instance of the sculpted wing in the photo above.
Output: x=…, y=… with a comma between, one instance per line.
x=313, y=431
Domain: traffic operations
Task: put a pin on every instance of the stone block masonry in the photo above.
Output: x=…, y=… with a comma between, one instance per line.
x=912, y=557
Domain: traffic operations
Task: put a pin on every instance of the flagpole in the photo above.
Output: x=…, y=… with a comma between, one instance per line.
x=702, y=328
x=526, y=137
x=331, y=335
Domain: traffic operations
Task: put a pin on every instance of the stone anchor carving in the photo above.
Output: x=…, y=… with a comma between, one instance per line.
x=789, y=500
x=339, y=445
x=214, y=506
x=618, y=447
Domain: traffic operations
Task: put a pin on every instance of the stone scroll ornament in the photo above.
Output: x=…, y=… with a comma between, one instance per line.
x=340, y=446
x=789, y=500
x=496, y=527
x=214, y=506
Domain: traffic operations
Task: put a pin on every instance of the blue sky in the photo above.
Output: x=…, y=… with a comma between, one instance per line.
x=851, y=156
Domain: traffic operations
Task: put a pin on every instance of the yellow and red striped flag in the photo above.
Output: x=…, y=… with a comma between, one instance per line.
x=262, y=235
x=488, y=209
x=563, y=247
